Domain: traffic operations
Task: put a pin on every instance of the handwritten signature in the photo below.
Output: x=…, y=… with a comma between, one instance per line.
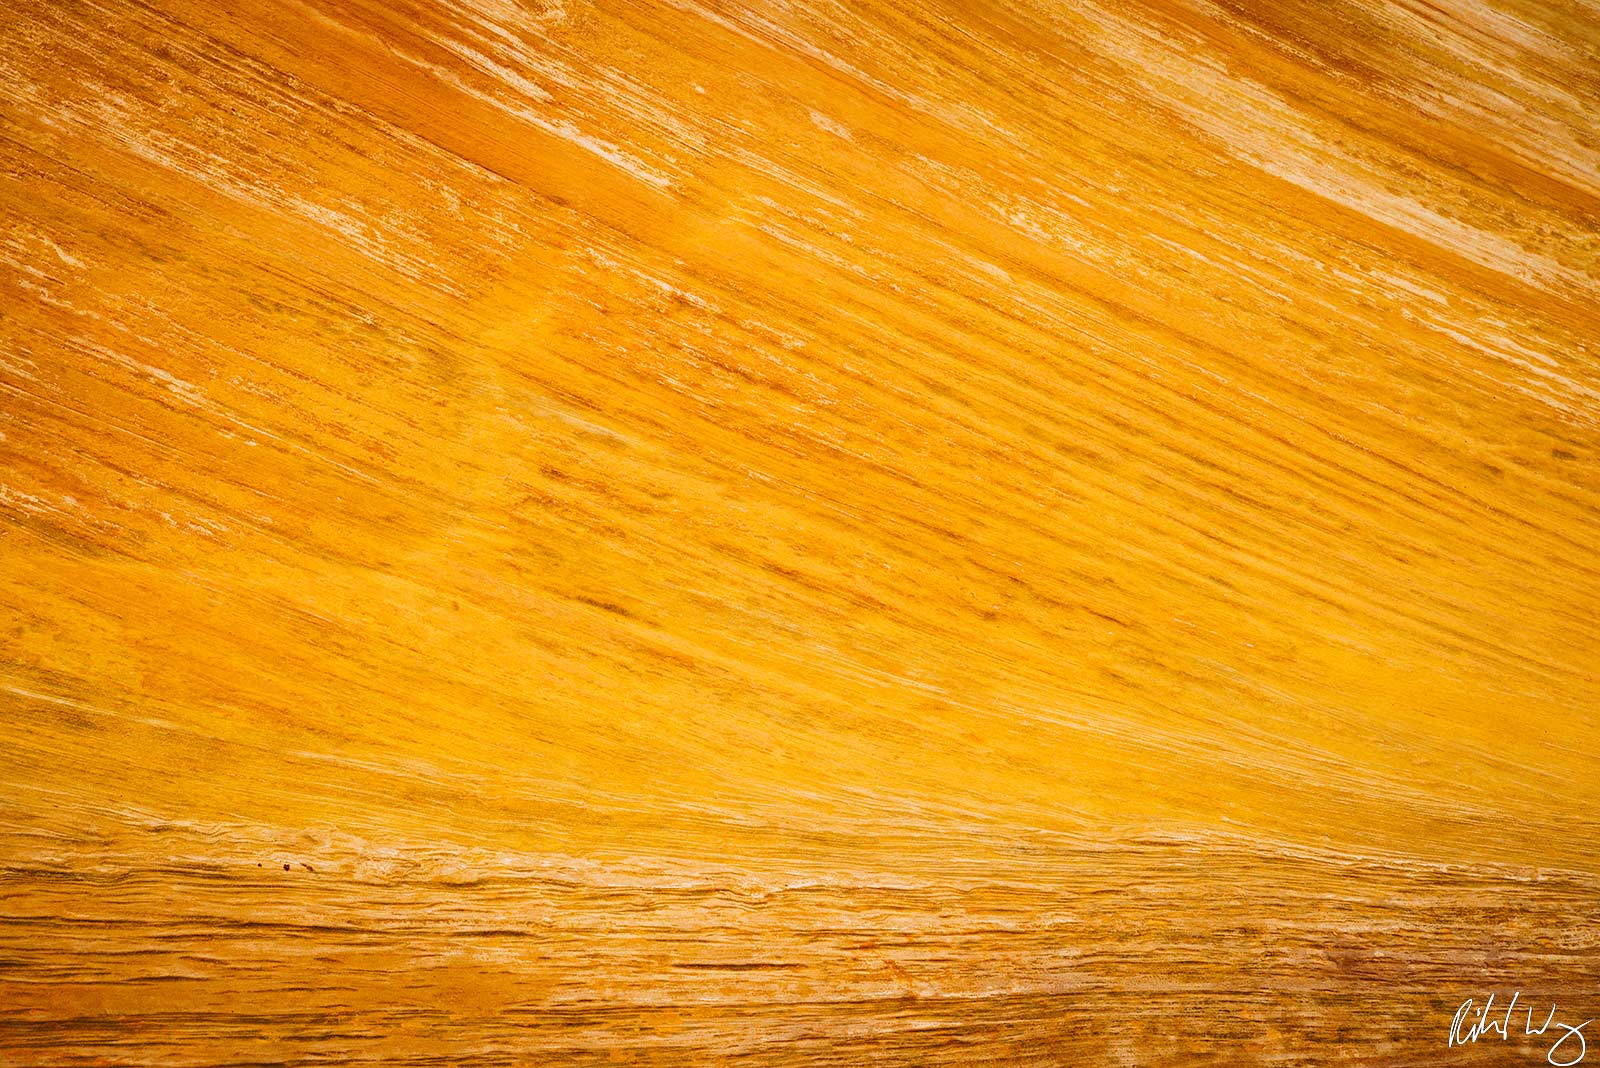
x=1463, y=1032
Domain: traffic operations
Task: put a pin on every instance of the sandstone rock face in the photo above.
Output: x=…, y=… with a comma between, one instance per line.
x=786, y=533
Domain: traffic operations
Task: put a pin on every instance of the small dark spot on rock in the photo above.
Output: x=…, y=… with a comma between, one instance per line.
x=1563, y=454
x=286, y=867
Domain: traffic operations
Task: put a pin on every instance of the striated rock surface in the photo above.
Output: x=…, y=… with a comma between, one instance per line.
x=797, y=532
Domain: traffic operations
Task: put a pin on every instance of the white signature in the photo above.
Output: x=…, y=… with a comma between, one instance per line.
x=1460, y=1036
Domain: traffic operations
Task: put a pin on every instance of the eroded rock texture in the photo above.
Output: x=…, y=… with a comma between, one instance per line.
x=787, y=533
